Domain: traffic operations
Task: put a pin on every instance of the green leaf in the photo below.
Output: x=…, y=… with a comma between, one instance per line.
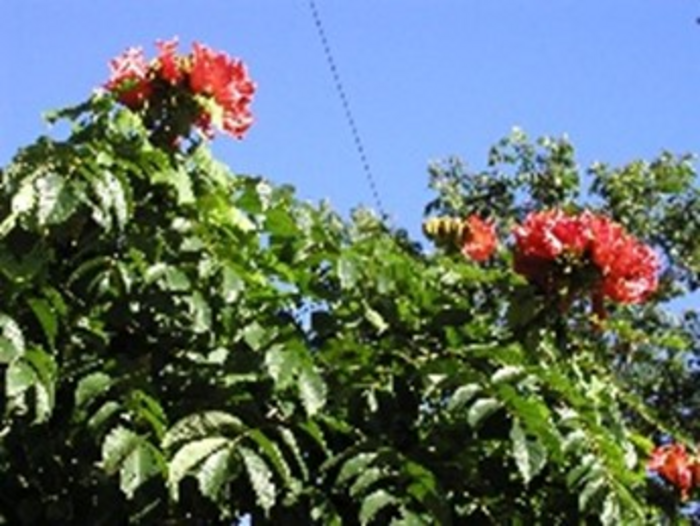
x=425, y=489
x=90, y=387
x=23, y=269
x=293, y=445
x=12, y=333
x=374, y=503
x=8, y=224
x=274, y=455
x=574, y=442
x=366, y=479
x=201, y=425
x=214, y=472
x=145, y=409
x=312, y=390
x=481, y=409
x=8, y=352
x=200, y=313
x=507, y=374
x=260, y=478
x=348, y=272
x=240, y=220
x=175, y=280
x=46, y=370
x=94, y=266
x=55, y=201
x=255, y=336
x=180, y=181
x=190, y=456
x=19, y=377
x=23, y=201
x=103, y=416
x=143, y=463
x=35, y=369
x=279, y=222
x=44, y=313
x=581, y=470
x=112, y=200
x=376, y=319
x=314, y=431
x=530, y=456
x=462, y=396
x=232, y=285
x=282, y=364
x=119, y=443
x=594, y=485
x=610, y=516
x=354, y=466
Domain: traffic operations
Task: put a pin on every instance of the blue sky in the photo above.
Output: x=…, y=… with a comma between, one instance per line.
x=426, y=79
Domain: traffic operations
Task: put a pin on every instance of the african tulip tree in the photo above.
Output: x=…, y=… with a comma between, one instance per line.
x=181, y=344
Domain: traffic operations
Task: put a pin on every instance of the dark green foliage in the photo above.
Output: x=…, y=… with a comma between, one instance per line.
x=184, y=345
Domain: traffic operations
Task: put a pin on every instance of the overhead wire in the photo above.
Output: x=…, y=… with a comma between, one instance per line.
x=347, y=110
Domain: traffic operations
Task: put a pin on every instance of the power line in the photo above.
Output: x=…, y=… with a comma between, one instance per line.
x=359, y=145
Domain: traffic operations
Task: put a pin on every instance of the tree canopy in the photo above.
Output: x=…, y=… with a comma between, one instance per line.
x=183, y=343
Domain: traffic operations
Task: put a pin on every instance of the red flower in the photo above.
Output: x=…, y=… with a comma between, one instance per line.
x=548, y=234
x=673, y=464
x=543, y=238
x=129, y=78
x=169, y=64
x=207, y=90
x=479, y=241
x=609, y=237
x=629, y=268
x=226, y=80
x=634, y=276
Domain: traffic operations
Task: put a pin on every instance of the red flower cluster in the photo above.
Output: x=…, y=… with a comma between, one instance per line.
x=129, y=78
x=626, y=270
x=674, y=465
x=478, y=239
x=210, y=88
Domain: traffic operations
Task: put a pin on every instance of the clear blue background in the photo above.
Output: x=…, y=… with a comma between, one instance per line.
x=425, y=78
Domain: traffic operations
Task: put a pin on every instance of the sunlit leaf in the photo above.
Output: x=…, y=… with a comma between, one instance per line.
x=260, y=478
x=283, y=364
x=119, y=443
x=594, y=486
x=610, y=515
x=202, y=425
x=462, y=396
x=348, y=272
x=200, y=312
x=530, y=456
x=481, y=409
x=214, y=472
x=191, y=455
x=180, y=181
x=139, y=466
x=19, y=377
x=367, y=479
x=12, y=333
x=91, y=387
x=312, y=390
x=376, y=319
x=55, y=201
x=101, y=419
x=374, y=503
x=274, y=456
